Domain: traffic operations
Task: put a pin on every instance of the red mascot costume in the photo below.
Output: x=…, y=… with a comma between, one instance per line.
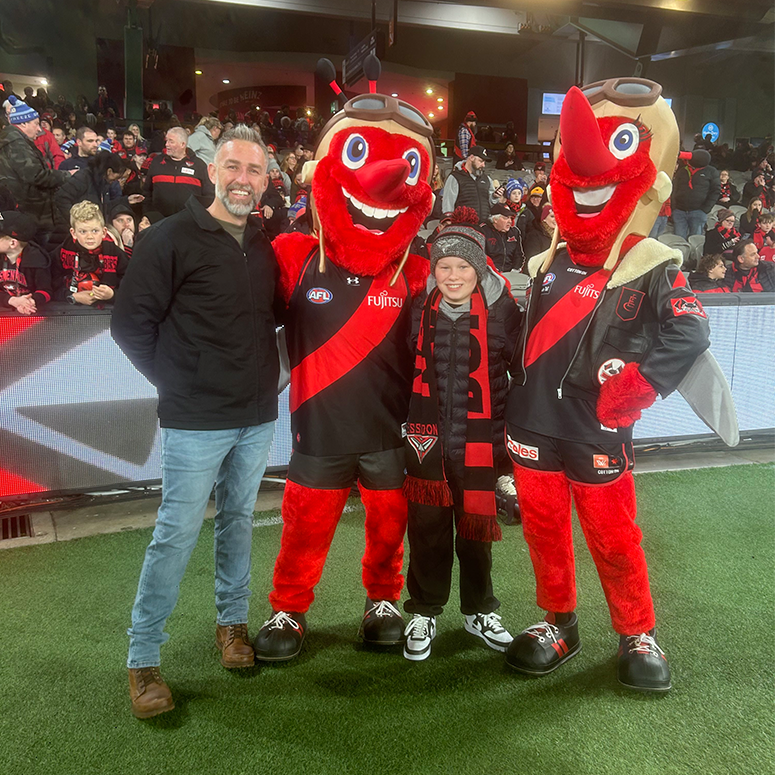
x=610, y=324
x=349, y=292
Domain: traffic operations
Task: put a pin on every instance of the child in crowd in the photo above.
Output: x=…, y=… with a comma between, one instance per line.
x=25, y=276
x=89, y=265
x=764, y=235
x=464, y=331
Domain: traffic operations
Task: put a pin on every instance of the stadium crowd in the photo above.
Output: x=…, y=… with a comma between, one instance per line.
x=79, y=185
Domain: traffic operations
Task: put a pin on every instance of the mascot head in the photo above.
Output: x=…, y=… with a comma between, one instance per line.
x=615, y=157
x=370, y=181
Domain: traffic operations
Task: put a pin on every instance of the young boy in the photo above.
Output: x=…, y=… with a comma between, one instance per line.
x=465, y=330
x=764, y=236
x=25, y=276
x=89, y=265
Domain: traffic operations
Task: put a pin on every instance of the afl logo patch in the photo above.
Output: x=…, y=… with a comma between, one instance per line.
x=319, y=295
x=546, y=285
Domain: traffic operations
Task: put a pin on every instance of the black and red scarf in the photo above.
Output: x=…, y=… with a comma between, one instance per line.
x=426, y=481
x=727, y=234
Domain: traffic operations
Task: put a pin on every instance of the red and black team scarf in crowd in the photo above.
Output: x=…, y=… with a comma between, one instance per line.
x=727, y=234
x=425, y=482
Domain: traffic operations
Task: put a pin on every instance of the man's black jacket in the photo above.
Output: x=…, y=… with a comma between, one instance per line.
x=195, y=316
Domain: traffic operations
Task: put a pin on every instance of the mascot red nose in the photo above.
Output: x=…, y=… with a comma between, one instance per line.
x=610, y=324
x=348, y=291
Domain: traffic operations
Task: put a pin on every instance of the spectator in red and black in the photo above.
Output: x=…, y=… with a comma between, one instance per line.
x=709, y=275
x=140, y=142
x=111, y=134
x=273, y=211
x=128, y=145
x=728, y=193
x=764, y=235
x=508, y=159
x=749, y=221
x=92, y=184
x=86, y=146
x=465, y=136
x=105, y=106
x=535, y=204
x=470, y=186
x=539, y=239
x=503, y=240
x=749, y=274
x=25, y=269
x=514, y=198
x=724, y=236
x=47, y=144
x=88, y=267
x=174, y=176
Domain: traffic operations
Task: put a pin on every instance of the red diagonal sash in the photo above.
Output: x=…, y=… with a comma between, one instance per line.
x=565, y=315
x=350, y=345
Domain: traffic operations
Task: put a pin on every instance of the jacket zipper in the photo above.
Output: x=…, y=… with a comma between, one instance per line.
x=581, y=341
x=450, y=382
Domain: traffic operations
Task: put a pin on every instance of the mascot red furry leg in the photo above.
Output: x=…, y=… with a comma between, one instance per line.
x=610, y=324
x=348, y=292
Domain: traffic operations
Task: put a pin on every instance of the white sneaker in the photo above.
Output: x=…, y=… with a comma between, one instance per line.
x=488, y=627
x=420, y=631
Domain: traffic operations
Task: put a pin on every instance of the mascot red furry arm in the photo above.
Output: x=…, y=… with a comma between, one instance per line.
x=610, y=324
x=348, y=289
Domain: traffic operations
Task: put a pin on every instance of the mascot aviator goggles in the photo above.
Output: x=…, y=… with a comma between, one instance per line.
x=626, y=92
x=373, y=108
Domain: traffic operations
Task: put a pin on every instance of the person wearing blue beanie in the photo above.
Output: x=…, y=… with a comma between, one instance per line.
x=23, y=169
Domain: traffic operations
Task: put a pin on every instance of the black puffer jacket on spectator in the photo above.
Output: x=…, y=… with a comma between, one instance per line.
x=450, y=348
x=87, y=185
x=24, y=172
x=695, y=188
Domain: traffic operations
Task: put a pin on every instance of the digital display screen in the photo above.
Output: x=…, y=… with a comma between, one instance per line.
x=551, y=103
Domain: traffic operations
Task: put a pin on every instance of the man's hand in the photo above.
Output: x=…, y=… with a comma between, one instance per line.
x=268, y=212
x=24, y=305
x=135, y=199
x=72, y=172
x=128, y=237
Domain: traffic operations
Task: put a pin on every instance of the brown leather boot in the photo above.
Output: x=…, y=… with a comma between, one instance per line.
x=235, y=647
x=148, y=692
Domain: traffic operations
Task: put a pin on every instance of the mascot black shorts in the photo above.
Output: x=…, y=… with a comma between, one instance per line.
x=586, y=463
x=384, y=470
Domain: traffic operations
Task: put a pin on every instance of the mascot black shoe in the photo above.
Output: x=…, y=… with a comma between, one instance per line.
x=642, y=665
x=545, y=646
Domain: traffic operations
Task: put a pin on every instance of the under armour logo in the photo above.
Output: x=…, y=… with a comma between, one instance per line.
x=353, y=280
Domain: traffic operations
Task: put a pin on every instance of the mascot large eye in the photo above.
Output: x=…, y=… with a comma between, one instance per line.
x=413, y=157
x=355, y=152
x=624, y=141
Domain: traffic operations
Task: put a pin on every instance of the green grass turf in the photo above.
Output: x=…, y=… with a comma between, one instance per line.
x=339, y=708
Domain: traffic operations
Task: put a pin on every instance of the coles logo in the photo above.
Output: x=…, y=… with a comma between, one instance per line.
x=319, y=295
x=521, y=450
x=609, y=368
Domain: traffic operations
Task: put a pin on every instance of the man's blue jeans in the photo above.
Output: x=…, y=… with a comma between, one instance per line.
x=192, y=461
x=688, y=222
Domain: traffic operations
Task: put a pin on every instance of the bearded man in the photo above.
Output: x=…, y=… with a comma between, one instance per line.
x=198, y=322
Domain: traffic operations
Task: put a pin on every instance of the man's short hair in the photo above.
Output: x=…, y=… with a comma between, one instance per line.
x=179, y=132
x=127, y=133
x=86, y=211
x=739, y=249
x=81, y=132
x=241, y=132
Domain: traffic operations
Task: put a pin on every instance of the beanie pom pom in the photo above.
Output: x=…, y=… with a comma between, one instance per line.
x=465, y=215
x=14, y=100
